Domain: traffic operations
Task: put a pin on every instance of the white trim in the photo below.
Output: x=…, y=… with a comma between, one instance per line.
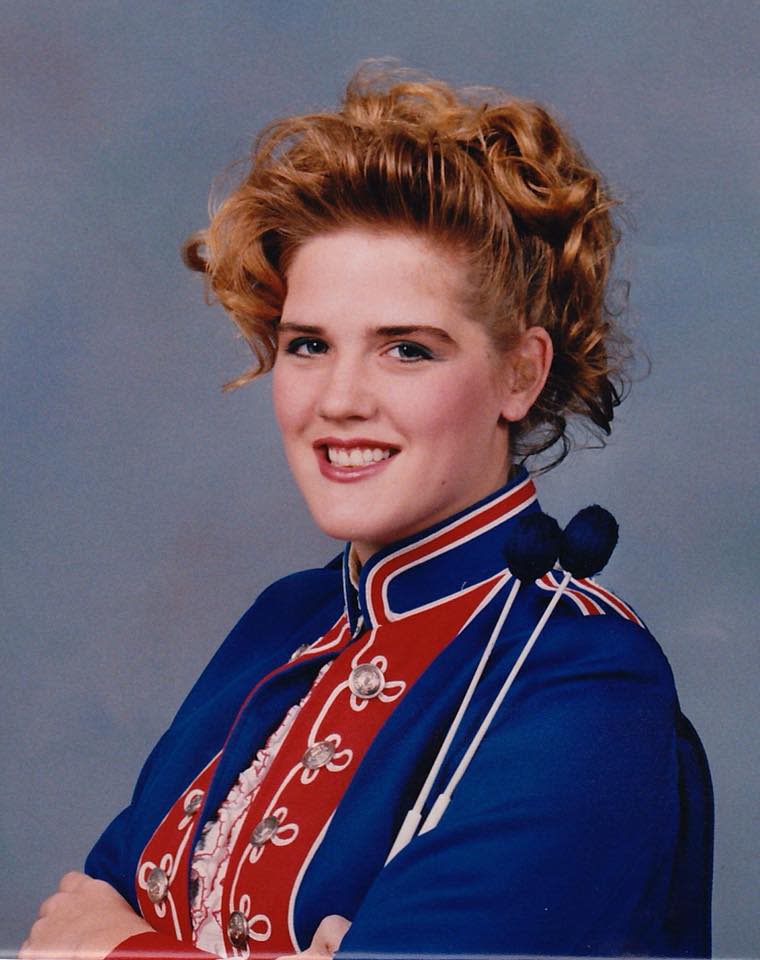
x=443, y=798
x=479, y=531
x=315, y=648
x=451, y=596
x=358, y=657
x=297, y=882
x=335, y=693
x=414, y=815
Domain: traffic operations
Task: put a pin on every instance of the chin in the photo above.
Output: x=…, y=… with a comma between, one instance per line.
x=355, y=534
x=346, y=528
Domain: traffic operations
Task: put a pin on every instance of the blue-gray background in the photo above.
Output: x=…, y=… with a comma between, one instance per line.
x=143, y=510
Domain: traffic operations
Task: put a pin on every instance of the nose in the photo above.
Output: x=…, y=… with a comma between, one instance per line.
x=347, y=391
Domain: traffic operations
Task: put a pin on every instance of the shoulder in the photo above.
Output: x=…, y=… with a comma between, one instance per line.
x=594, y=702
x=306, y=603
x=589, y=598
x=591, y=678
x=593, y=629
x=288, y=605
x=292, y=600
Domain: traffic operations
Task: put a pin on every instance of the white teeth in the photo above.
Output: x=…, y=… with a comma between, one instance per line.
x=338, y=456
x=356, y=456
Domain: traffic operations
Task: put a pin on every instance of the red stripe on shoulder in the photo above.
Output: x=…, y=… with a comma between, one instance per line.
x=615, y=602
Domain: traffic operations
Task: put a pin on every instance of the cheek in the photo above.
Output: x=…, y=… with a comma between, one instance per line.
x=287, y=400
x=469, y=406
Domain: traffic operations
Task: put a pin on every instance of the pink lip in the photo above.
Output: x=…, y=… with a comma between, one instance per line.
x=349, y=444
x=350, y=474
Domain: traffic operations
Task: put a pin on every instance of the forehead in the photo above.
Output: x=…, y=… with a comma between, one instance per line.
x=360, y=268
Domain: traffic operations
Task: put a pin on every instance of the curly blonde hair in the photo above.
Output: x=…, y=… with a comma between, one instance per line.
x=493, y=177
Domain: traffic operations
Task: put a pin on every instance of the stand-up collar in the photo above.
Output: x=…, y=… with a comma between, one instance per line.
x=435, y=564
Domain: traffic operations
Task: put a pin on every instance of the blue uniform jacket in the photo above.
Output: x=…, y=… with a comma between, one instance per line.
x=583, y=825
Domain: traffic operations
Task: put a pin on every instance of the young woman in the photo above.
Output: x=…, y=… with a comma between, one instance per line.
x=425, y=273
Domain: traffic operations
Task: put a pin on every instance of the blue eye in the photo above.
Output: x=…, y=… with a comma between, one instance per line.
x=410, y=352
x=306, y=346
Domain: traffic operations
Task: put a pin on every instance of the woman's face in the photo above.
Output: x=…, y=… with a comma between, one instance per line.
x=389, y=398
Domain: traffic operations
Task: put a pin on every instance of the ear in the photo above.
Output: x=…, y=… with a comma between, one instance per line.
x=526, y=368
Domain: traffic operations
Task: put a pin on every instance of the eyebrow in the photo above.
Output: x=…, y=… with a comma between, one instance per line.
x=298, y=328
x=414, y=328
x=395, y=330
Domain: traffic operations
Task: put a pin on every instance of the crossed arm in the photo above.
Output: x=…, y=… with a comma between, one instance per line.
x=87, y=919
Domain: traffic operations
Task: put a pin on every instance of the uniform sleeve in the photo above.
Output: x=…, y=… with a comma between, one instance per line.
x=106, y=860
x=110, y=858
x=560, y=836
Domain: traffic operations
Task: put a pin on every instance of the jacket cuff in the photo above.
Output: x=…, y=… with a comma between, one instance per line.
x=156, y=946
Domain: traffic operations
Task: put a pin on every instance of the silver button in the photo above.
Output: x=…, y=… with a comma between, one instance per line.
x=237, y=929
x=157, y=885
x=299, y=650
x=366, y=681
x=264, y=830
x=193, y=802
x=318, y=754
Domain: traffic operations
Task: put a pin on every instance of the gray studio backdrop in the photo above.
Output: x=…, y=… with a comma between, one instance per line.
x=143, y=510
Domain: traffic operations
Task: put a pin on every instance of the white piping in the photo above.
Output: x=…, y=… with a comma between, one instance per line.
x=473, y=535
x=442, y=533
x=299, y=878
x=413, y=817
x=442, y=801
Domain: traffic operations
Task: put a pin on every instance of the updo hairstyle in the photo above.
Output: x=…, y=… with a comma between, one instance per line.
x=493, y=178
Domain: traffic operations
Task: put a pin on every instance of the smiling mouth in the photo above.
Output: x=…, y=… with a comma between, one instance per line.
x=349, y=458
